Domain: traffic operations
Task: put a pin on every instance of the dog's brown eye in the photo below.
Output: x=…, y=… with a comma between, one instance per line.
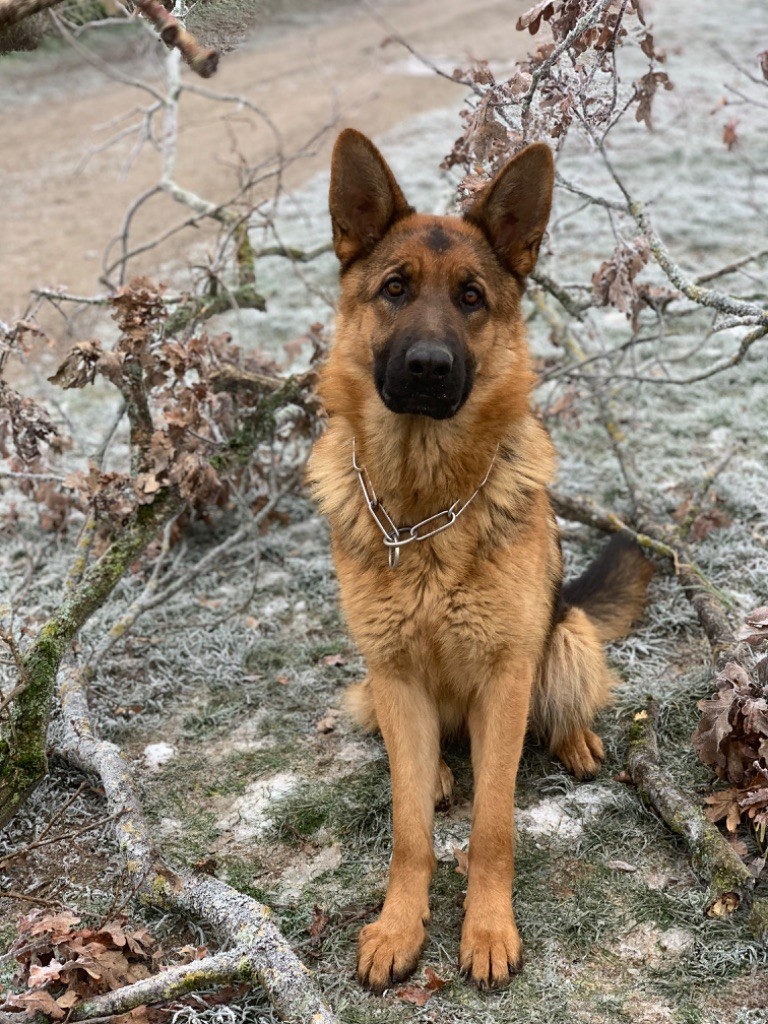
x=471, y=297
x=394, y=288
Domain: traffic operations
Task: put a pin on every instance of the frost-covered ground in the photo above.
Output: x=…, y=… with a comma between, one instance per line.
x=227, y=697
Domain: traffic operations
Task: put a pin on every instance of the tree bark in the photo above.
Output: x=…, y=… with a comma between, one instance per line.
x=730, y=881
x=24, y=761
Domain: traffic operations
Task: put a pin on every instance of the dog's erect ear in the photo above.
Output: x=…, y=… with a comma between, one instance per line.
x=365, y=200
x=513, y=209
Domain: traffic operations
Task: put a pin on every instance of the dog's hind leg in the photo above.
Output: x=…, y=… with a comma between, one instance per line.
x=445, y=781
x=358, y=701
x=572, y=685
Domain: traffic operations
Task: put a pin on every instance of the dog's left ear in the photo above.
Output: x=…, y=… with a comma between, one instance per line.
x=365, y=200
x=514, y=209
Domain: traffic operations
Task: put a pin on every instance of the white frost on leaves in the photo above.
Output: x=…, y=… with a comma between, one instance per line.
x=158, y=754
x=564, y=816
x=273, y=579
x=555, y=817
x=275, y=608
x=249, y=815
x=298, y=875
x=648, y=944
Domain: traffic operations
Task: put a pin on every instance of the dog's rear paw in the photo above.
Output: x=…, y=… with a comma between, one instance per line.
x=388, y=953
x=491, y=951
x=444, y=788
x=582, y=753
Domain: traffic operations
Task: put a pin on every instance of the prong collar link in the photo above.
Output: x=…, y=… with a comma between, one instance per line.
x=396, y=537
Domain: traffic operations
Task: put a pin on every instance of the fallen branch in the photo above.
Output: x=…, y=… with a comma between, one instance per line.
x=261, y=953
x=730, y=881
x=212, y=972
x=588, y=512
x=701, y=592
x=24, y=763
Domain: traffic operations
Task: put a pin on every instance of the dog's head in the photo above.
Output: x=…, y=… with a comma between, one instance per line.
x=429, y=313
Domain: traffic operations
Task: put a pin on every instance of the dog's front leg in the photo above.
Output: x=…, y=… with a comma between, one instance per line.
x=490, y=943
x=389, y=949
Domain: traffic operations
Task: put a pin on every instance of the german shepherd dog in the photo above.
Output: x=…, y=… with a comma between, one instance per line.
x=433, y=473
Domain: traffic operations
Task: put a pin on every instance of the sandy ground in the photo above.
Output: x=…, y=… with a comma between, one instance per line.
x=306, y=69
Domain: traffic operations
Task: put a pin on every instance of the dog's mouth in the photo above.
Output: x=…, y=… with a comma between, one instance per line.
x=424, y=378
x=437, y=407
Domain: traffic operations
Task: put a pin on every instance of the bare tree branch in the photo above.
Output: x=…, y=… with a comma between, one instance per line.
x=261, y=951
x=730, y=881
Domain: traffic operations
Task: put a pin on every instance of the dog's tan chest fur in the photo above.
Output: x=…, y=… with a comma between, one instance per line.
x=463, y=600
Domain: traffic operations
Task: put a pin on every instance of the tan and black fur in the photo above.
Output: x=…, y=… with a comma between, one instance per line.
x=474, y=630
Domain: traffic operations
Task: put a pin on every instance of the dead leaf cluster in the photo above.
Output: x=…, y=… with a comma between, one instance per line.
x=24, y=426
x=60, y=964
x=554, y=89
x=732, y=736
x=614, y=281
x=420, y=994
x=183, y=425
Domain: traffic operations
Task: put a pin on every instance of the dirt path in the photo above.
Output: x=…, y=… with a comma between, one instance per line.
x=305, y=69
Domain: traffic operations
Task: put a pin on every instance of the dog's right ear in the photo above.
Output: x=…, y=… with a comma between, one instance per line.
x=365, y=200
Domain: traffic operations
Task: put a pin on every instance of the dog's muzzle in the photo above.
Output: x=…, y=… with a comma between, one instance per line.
x=424, y=377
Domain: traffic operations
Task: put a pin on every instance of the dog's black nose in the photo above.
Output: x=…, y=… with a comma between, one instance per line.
x=428, y=361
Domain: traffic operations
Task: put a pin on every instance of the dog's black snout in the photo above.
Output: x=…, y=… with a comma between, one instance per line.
x=428, y=361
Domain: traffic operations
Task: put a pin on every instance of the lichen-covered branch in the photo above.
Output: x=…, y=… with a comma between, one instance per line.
x=198, y=309
x=588, y=512
x=23, y=762
x=730, y=881
x=212, y=972
x=261, y=952
x=710, y=297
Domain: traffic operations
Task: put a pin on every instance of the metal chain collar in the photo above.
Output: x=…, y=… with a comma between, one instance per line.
x=396, y=537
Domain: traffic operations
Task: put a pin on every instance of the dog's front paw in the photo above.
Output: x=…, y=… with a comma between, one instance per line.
x=387, y=952
x=582, y=753
x=491, y=951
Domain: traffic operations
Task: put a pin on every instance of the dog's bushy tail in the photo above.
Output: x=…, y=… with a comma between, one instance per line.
x=612, y=589
x=574, y=680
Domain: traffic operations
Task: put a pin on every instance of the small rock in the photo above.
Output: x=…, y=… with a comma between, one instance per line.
x=275, y=608
x=273, y=579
